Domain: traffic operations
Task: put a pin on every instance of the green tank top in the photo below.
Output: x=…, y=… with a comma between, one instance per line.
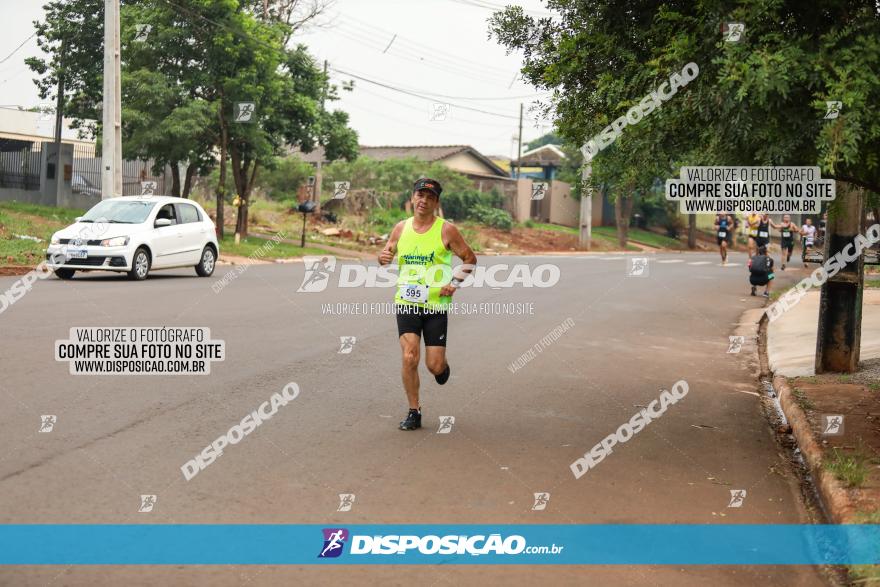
x=425, y=266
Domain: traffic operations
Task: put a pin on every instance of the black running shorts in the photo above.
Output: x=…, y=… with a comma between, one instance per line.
x=429, y=325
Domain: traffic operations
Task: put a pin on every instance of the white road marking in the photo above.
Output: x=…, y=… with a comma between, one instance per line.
x=612, y=258
x=730, y=265
x=700, y=263
x=671, y=261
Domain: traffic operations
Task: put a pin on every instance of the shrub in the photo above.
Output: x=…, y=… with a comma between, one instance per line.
x=382, y=221
x=494, y=217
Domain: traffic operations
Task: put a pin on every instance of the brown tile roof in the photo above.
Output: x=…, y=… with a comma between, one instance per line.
x=429, y=153
x=421, y=152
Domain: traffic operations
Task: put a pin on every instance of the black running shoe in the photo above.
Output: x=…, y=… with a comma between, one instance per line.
x=754, y=293
x=413, y=420
x=443, y=377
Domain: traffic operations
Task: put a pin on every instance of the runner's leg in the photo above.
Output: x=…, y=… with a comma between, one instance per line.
x=409, y=372
x=435, y=359
x=434, y=331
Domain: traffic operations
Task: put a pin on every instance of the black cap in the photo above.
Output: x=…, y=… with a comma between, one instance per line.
x=432, y=185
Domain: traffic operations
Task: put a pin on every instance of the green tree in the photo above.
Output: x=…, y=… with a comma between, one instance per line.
x=182, y=83
x=392, y=175
x=72, y=36
x=756, y=102
x=283, y=176
x=551, y=138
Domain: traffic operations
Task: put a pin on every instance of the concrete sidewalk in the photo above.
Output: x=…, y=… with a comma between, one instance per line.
x=791, y=339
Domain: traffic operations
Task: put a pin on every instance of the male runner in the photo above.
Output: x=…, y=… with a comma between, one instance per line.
x=424, y=245
x=808, y=237
x=786, y=229
x=723, y=226
x=752, y=221
x=762, y=239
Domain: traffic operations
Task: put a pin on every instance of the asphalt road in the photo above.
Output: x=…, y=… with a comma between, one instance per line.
x=515, y=434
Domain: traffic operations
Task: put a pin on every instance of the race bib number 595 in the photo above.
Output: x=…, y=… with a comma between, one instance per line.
x=414, y=293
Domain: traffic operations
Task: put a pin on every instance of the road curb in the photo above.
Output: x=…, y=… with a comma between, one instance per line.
x=834, y=497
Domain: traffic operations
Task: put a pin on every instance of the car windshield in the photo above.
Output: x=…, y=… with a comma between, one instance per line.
x=119, y=212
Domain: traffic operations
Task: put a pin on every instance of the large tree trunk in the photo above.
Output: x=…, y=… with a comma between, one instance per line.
x=239, y=176
x=692, y=231
x=838, y=341
x=622, y=211
x=248, y=186
x=175, y=179
x=221, y=189
x=188, y=180
x=244, y=184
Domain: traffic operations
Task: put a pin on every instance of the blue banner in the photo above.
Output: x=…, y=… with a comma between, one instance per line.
x=181, y=544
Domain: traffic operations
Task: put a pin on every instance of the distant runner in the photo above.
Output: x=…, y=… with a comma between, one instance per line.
x=752, y=221
x=763, y=237
x=787, y=230
x=723, y=227
x=424, y=245
x=808, y=237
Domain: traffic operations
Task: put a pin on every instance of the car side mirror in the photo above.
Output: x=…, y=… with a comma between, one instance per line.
x=160, y=222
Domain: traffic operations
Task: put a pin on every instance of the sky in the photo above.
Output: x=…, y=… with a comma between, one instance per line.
x=441, y=47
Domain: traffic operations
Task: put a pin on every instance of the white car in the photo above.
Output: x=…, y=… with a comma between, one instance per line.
x=134, y=234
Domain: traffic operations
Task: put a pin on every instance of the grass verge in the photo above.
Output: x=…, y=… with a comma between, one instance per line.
x=643, y=237
x=265, y=249
x=851, y=468
x=17, y=218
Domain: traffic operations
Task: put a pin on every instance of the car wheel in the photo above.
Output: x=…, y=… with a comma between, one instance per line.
x=206, y=266
x=65, y=273
x=140, y=265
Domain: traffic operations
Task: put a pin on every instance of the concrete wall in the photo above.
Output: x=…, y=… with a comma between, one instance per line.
x=563, y=208
x=464, y=162
x=51, y=172
x=518, y=203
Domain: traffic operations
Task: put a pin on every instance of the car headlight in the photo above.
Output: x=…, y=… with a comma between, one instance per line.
x=55, y=240
x=119, y=241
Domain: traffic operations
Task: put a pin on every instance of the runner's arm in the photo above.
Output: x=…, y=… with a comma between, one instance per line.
x=387, y=254
x=456, y=243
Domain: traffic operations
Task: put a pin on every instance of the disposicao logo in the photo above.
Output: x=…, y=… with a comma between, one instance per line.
x=334, y=541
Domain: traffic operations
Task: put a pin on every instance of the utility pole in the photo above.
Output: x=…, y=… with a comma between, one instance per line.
x=59, y=122
x=111, y=137
x=838, y=341
x=519, y=143
x=316, y=189
x=585, y=235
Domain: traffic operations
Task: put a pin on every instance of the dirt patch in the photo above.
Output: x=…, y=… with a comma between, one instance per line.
x=8, y=270
x=854, y=454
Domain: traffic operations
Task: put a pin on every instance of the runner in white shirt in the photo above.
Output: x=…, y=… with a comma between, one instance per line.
x=808, y=233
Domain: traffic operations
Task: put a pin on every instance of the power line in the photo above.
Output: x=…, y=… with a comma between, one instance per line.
x=422, y=96
x=17, y=48
x=410, y=106
x=356, y=76
x=477, y=76
x=420, y=49
x=499, y=7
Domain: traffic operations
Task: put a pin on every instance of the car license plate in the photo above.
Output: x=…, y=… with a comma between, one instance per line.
x=77, y=253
